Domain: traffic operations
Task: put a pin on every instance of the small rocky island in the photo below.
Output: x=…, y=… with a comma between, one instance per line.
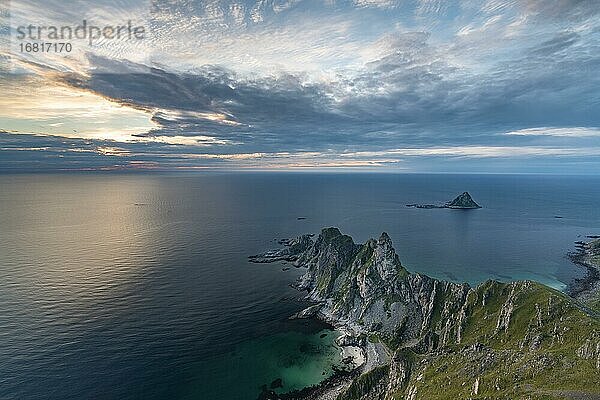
x=423, y=338
x=463, y=201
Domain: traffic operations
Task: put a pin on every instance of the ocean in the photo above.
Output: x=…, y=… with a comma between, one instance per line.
x=137, y=286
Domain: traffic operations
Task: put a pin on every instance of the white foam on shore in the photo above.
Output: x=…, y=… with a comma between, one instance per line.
x=357, y=354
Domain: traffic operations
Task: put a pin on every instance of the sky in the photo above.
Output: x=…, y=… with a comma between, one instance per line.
x=465, y=86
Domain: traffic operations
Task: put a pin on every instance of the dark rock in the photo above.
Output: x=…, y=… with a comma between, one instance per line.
x=293, y=248
x=277, y=383
x=308, y=312
x=463, y=201
x=347, y=340
x=424, y=206
x=268, y=394
x=586, y=257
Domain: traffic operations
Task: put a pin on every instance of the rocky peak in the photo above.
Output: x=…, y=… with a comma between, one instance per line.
x=384, y=239
x=330, y=256
x=331, y=240
x=386, y=261
x=329, y=234
x=463, y=201
x=521, y=327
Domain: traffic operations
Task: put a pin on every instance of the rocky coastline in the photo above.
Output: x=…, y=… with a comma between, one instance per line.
x=363, y=356
x=587, y=288
x=369, y=356
x=416, y=334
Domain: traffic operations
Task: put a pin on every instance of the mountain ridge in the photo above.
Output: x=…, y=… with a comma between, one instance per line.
x=446, y=340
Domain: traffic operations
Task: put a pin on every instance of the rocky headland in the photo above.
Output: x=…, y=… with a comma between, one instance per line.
x=587, y=289
x=463, y=201
x=425, y=338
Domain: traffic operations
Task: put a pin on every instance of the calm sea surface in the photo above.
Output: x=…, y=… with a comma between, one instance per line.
x=138, y=286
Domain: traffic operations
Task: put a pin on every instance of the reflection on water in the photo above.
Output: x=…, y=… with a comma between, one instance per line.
x=137, y=286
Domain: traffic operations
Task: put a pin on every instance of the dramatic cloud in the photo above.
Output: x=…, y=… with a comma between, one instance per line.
x=420, y=85
x=565, y=132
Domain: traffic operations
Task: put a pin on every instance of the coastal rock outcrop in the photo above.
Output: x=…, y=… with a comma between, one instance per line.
x=463, y=201
x=587, y=289
x=366, y=288
x=446, y=340
x=293, y=248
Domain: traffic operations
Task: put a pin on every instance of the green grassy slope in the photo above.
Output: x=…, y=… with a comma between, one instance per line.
x=520, y=340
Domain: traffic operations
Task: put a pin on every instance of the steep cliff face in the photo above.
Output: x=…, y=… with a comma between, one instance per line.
x=517, y=340
x=366, y=288
x=448, y=340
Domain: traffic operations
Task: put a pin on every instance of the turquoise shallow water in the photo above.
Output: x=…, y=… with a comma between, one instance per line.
x=299, y=359
x=138, y=286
